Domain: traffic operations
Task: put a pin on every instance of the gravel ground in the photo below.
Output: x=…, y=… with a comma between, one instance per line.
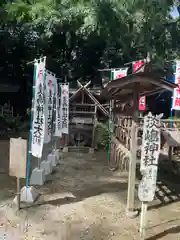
x=83, y=199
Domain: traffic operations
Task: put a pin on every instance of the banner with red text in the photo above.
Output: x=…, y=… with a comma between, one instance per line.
x=176, y=94
x=58, y=125
x=142, y=103
x=120, y=73
x=38, y=124
x=48, y=110
x=64, y=108
x=142, y=100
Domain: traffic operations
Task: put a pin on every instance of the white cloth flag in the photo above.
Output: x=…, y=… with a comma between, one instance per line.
x=58, y=132
x=120, y=73
x=64, y=109
x=49, y=94
x=38, y=124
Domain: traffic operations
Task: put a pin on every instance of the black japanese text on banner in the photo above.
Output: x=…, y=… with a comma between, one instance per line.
x=49, y=93
x=150, y=142
x=38, y=124
x=147, y=186
x=58, y=132
x=64, y=113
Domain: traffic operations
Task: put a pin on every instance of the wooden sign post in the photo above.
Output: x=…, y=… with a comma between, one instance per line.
x=149, y=165
x=17, y=162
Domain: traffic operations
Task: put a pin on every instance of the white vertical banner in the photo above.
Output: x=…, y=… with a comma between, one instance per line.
x=120, y=73
x=49, y=94
x=176, y=94
x=38, y=124
x=64, y=109
x=151, y=140
x=58, y=132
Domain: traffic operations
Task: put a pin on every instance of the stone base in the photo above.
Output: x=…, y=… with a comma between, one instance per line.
x=132, y=213
x=56, y=152
x=65, y=149
x=28, y=195
x=91, y=150
x=37, y=177
x=46, y=166
x=60, y=154
x=53, y=159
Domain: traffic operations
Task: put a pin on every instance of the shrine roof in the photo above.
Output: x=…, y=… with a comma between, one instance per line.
x=91, y=96
x=147, y=83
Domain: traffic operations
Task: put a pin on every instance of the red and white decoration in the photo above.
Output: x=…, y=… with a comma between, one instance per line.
x=137, y=65
x=38, y=124
x=142, y=103
x=142, y=100
x=120, y=73
x=176, y=94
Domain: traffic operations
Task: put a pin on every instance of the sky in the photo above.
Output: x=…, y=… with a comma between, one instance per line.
x=174, y=12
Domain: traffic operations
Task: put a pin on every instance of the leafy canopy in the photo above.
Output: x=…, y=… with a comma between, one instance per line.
x=84, y=35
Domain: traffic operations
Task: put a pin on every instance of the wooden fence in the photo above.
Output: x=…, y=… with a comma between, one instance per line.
x=120, y=140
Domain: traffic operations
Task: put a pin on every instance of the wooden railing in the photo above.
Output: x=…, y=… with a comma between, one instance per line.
x=120, y=141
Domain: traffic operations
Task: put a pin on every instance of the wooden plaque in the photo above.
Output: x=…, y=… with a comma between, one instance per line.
x=18, y=157
x=147, y=186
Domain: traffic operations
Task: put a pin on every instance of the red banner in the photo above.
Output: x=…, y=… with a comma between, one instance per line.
x=137, y=65
x=142, y=103
x=176, y=94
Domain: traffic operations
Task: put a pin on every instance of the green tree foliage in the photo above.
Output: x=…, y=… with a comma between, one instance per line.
x=81, y=36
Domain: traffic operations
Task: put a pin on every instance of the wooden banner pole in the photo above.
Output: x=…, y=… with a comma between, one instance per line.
x=131, y=212
x=18, y=194
x=143, y=219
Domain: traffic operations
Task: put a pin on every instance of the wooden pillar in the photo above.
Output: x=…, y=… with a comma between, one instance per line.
x=65, y=147
x=132, y=165
x=109, y=129
x=82, y=100
x=66, y=139
x=94, y=127
x=112, y=110
x=170, y=153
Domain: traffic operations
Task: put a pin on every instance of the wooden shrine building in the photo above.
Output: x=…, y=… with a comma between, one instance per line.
x=84, y=112
x=127, y=90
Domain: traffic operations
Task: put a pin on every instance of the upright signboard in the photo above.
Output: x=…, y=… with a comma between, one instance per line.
x=17, y=162
x=18, y=157
x=149, y=165
x=150, y=141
